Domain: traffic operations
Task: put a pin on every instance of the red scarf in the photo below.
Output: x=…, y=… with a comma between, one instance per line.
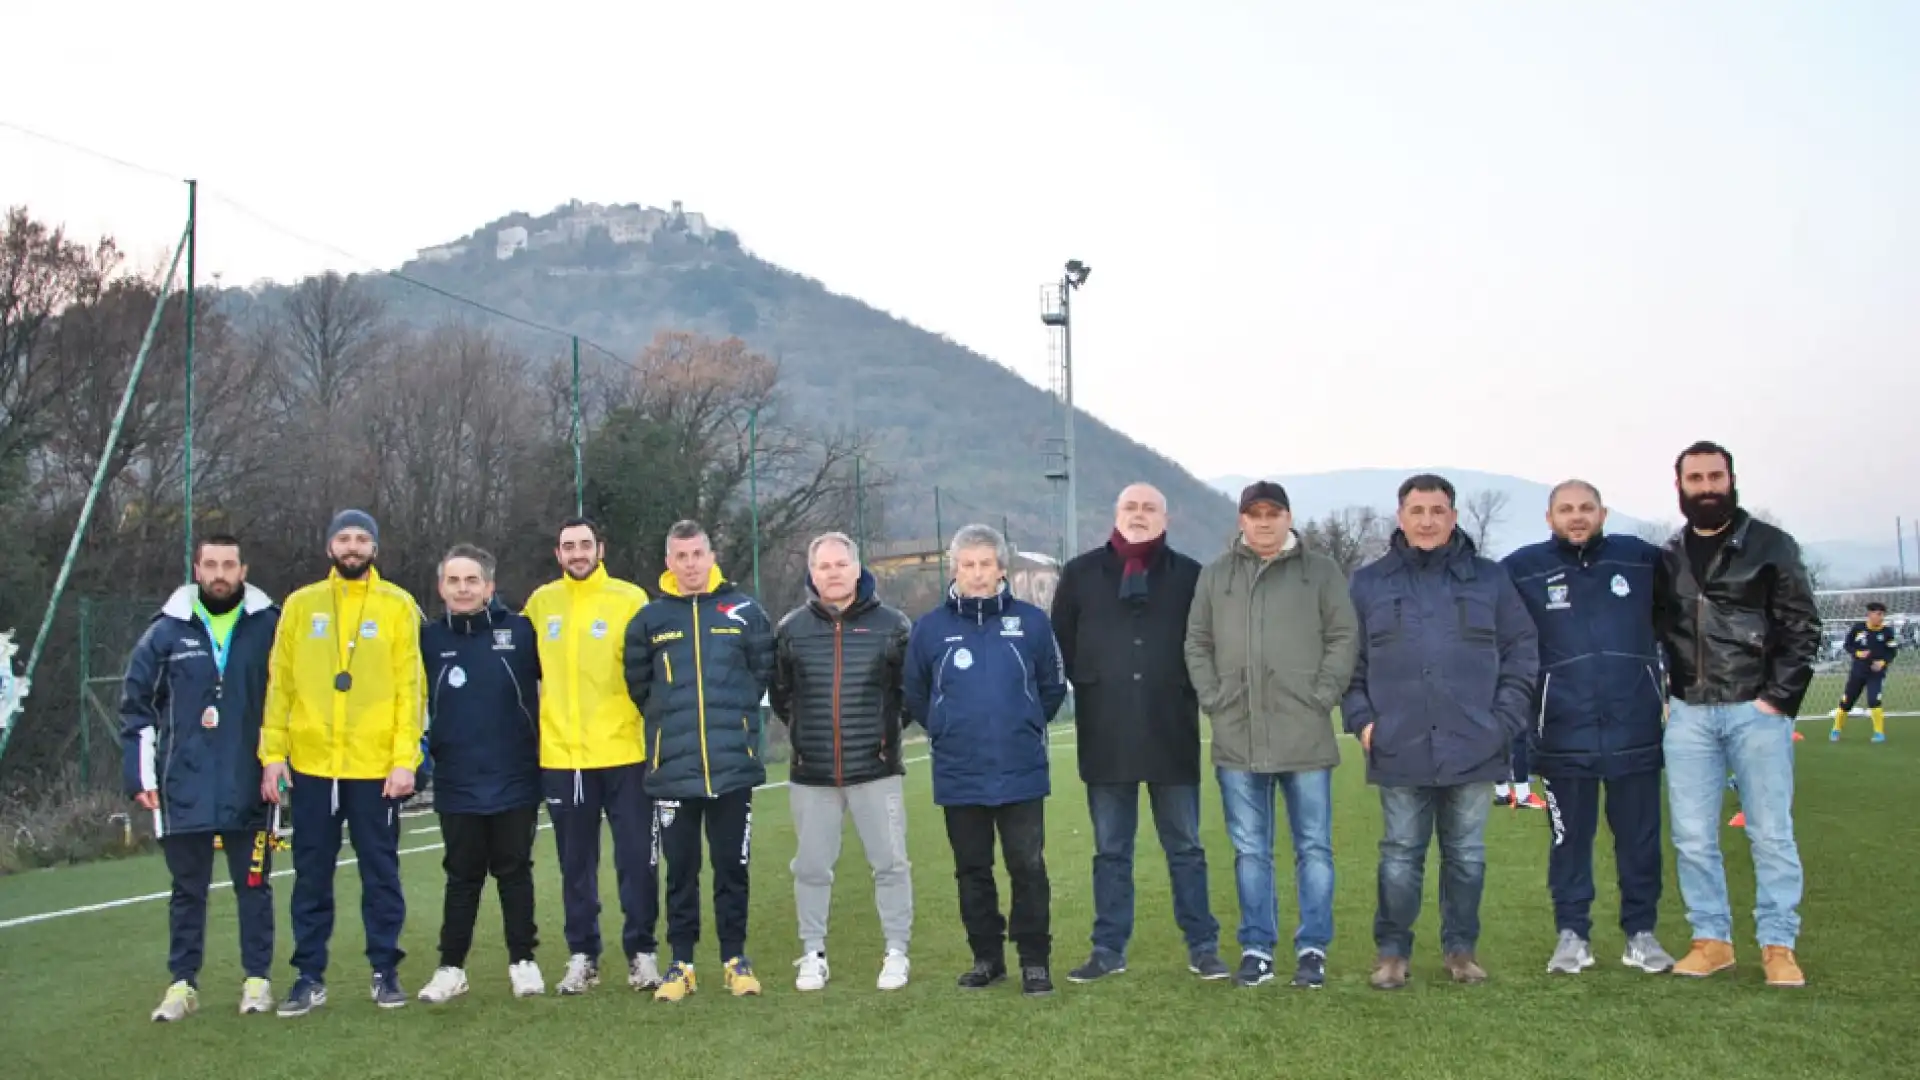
x=1135, y=559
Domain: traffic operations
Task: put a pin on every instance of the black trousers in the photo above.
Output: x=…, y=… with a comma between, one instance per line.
x=1633, y=815
x=1023, y=844
x=481, y=844
x=577, y=800
x=728, y=822
x=190, y=862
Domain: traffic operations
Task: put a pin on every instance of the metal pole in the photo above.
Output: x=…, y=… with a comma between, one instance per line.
x=1900, y=547
x=1069, y=537
x=939, y=536
x=193, y=217
x=753, y=489
x=579, y=466
x=86, y=681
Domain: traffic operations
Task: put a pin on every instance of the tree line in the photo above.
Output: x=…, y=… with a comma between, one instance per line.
x=316, y=398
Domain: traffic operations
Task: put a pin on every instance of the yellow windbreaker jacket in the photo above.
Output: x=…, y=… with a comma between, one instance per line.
x=587, y=721
x=365, y=634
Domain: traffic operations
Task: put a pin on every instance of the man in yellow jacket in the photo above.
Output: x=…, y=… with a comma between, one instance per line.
x=593, y=758
x=341, y=739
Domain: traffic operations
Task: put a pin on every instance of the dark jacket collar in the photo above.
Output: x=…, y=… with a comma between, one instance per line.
x=1456, y=557
x=865, y=598
x=1568, y=549
x=979, y=608
x=494, y=614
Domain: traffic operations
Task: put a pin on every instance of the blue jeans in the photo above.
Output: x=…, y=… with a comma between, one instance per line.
x=1702, y=742
x=1115, y=809
x=1410, y=816
x=1248, y=800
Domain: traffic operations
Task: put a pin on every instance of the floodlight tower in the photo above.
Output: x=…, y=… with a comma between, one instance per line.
x=1057, y=313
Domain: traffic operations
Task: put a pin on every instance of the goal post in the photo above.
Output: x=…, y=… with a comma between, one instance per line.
x=1840, y=609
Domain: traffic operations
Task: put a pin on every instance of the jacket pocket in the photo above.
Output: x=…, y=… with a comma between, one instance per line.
x=1546, y=686
x=1476, y=619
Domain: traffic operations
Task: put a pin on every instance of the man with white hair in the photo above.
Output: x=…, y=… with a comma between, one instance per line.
x=983, y=677
x=1120, y=613
x=837, y=686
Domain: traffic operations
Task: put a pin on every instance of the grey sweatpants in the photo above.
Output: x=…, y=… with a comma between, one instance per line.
x=880, y=817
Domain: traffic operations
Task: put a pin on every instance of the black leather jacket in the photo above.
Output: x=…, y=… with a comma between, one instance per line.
x=837, y=685
x=1751, y=631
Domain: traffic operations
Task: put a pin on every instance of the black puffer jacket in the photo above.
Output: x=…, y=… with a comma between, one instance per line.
x=1750, y=631
x=697, y=667
x=836, y=683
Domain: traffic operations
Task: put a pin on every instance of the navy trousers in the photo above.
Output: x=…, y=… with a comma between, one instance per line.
x=190, y=861
x=576, y=802
x=320, y=807
x=1633, y=814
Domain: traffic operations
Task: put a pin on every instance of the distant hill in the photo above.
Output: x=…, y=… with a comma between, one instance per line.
x=1317, y=494
x=943, y=414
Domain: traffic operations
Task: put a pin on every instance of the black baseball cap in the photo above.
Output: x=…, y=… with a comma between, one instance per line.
x=1263, y=491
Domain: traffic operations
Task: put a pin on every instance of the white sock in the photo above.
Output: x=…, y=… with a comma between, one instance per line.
x=1520, y=791
x=1501, y=790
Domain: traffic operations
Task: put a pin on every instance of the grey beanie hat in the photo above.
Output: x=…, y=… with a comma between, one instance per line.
x=353, y=519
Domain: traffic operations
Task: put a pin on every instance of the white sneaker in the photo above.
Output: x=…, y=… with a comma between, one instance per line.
x=447, y=983
x=1571, y=955
x=813, y=972
x=893, y=970
x=256, y=996
x=526, y=979
x=582, y=973
x=180, y=1002
x=643, y=972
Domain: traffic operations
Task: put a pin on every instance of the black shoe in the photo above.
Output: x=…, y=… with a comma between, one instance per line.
x=1311, y=972
x=386, y=990
x=1207, y=964
x=1036, y=981
x=1254, y=970
x=1098, y=966
x=985, y=973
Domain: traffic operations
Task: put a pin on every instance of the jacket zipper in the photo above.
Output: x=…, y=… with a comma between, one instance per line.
x=839, y=777
x=700, y=696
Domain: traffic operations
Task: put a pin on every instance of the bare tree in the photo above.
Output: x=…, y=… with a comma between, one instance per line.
x=334, y=334
x=42, y=273
x=1351, y=537
x=1483, y=512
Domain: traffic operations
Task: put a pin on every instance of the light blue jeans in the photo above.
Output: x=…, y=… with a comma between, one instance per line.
x=1702, y=743
x=1248, y=799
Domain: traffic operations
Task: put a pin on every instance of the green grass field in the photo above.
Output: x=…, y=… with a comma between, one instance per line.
x=68, y=982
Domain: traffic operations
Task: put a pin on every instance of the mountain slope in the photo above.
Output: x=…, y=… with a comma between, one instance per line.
x=943, y=414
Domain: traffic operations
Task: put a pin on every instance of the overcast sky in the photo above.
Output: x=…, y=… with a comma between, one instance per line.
x=1323, y=234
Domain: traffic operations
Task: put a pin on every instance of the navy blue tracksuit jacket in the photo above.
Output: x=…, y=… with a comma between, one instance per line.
x=191, y=732
x=483, y=710
x=1597, y=717
x=984, y=677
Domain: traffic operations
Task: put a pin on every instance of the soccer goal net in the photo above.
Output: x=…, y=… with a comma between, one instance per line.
x=1839, y=610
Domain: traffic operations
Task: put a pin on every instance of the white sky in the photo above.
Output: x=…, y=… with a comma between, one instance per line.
x=1323, y=235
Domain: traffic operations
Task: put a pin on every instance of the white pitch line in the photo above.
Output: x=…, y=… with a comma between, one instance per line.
x=88, y=909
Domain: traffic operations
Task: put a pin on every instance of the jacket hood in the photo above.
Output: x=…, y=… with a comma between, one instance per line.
x=980, y=608
x=670, y=585
x=864, y=595
x=494, y=614
x=180, y=604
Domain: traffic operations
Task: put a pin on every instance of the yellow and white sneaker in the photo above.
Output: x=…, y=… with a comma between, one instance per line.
x=740, y=979
x=256, y=996
x=181, y=1001
x=678, y=984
